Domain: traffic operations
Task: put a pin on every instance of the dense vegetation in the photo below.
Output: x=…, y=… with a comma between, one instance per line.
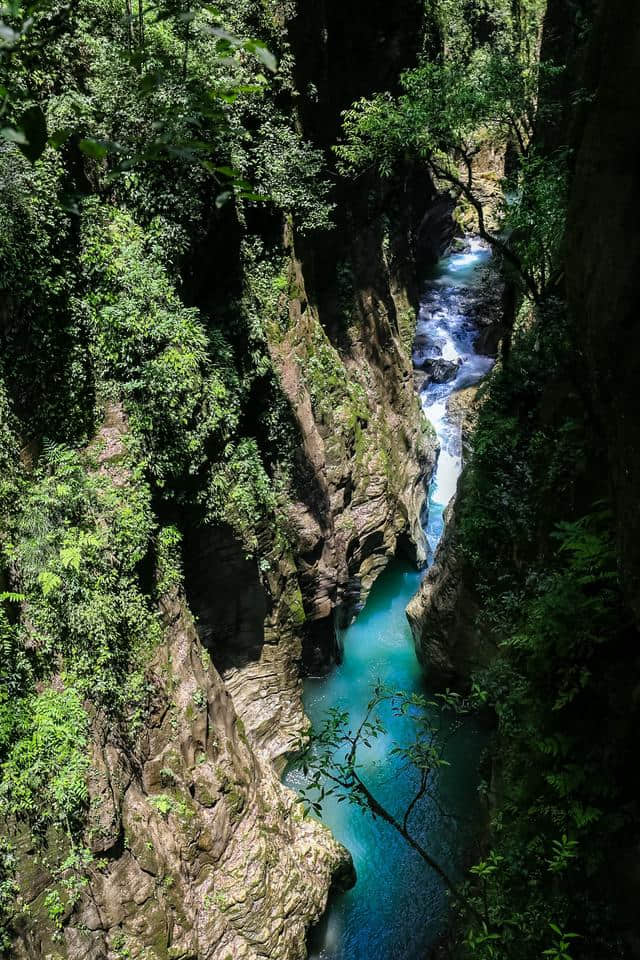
x=480, y=94
x=538, y=540
x=133, y=145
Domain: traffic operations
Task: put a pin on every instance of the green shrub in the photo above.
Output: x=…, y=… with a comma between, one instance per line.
x=46, y=758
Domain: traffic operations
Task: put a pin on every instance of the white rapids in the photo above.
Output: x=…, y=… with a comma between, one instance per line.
x=445, y=331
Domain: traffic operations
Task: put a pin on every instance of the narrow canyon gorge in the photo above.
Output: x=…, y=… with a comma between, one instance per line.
x=319, y=457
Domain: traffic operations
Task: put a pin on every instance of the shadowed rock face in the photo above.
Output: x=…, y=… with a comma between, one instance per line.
x=348, y=57
x=226, y=593
x=366, y=455
x=364, y=436
x=603, y=250
x=442, y=614
x=249, y=621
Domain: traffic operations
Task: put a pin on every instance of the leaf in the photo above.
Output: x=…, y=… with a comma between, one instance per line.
x=71, y=557
x=8, y=35
x=262, y=53
x=257, y=197
x=222, y=35
x=94, y=148
x=227, y=172
x=15, y=136
x=49, y=582
x=198, y=145
x=11, y=597
x=59, y=137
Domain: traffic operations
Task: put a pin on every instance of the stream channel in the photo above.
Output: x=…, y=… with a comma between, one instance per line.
x=398, y=907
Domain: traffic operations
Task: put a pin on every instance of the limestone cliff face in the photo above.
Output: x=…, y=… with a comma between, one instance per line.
x=206, y=854
x=344, y=358
x=366, y=453
x=200, y=851
x=367, y=442
x=250, y=620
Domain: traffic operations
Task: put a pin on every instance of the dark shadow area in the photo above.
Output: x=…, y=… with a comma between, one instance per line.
x=226, y=595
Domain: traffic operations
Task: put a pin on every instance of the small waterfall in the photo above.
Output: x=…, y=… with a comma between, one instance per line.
x=444, y=350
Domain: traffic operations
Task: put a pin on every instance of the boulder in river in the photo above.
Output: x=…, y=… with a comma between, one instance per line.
x=439, y=370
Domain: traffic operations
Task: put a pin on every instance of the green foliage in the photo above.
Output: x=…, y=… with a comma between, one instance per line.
x=546, y=578
x=133, y=150
x=181, y=405
x=168, y=560
x=8, y=891
x=475, y=93
x=84, y=629
x=241, y=492
x=76, y=545
x=163, y=803
x=169, y=62
x=38, y=283
x=536, y=220
x=55, y=907
x=44, y=743
x=290, y=171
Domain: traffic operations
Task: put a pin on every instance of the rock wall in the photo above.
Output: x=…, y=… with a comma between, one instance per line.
x=205, y=854
x=443, y=611
x=603, y=244
x=365, y=457
x=343, y=360
x=367, y=442
x=199, y=850
x=250, y=620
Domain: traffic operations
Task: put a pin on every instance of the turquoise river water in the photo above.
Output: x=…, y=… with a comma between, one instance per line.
x=398, y=907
